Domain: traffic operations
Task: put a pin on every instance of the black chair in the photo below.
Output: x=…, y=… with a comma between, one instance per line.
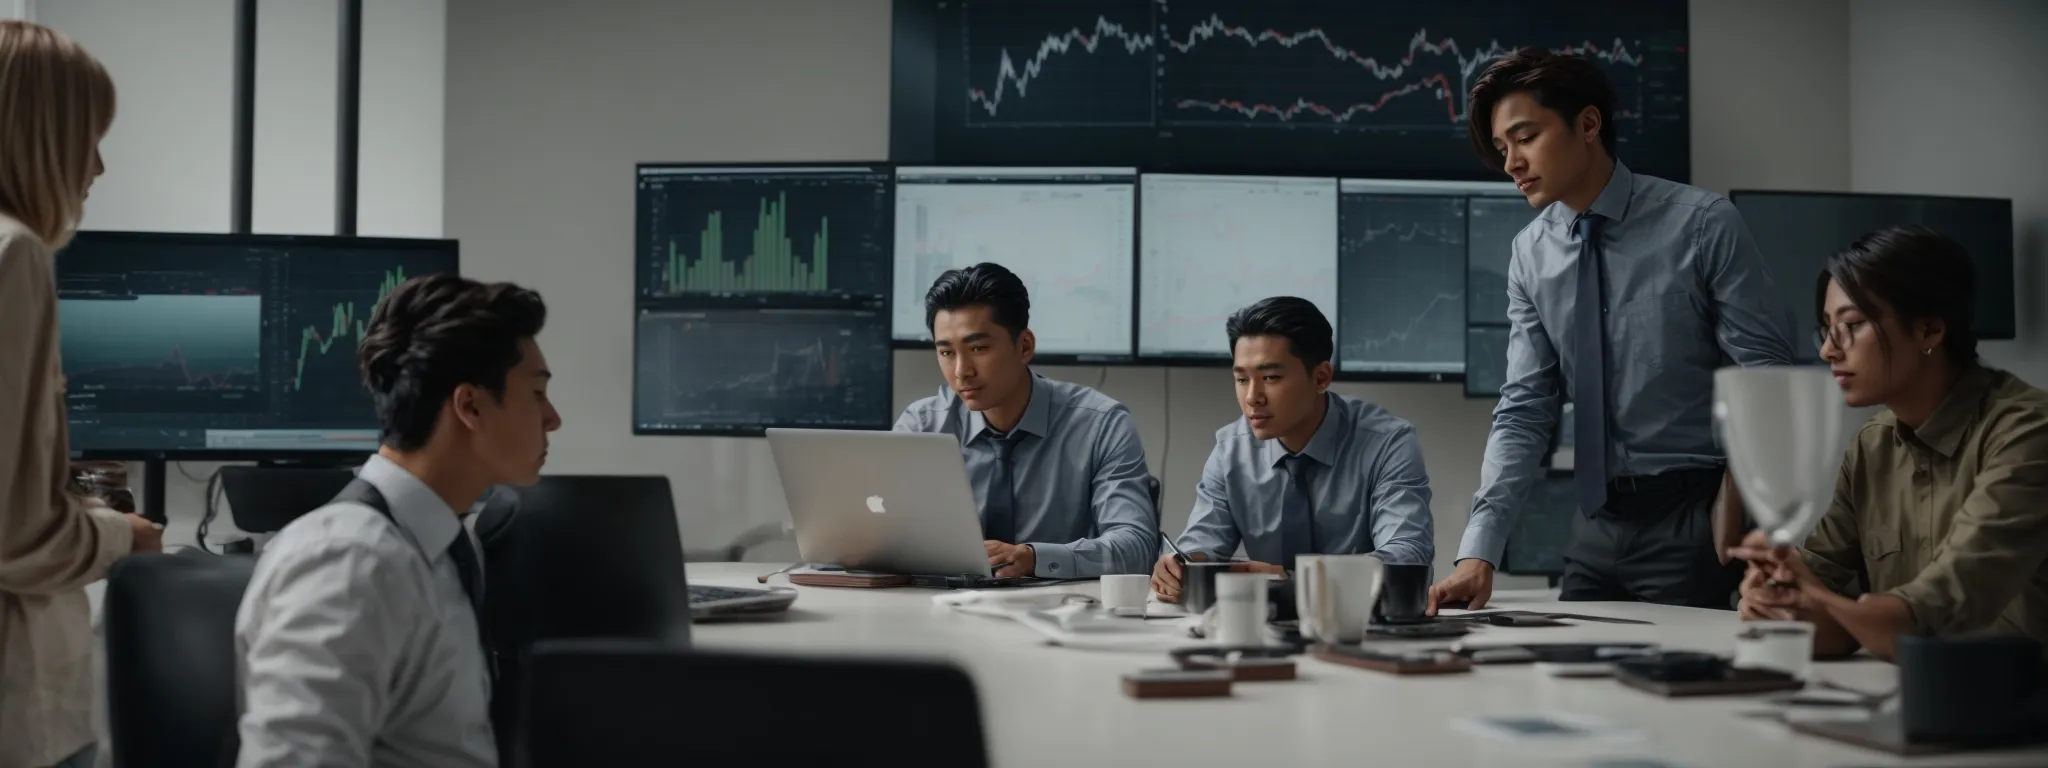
x=596, y=702
x=170, y=639
x=577, y=557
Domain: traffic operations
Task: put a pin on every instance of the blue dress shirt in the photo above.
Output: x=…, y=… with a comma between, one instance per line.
x=1368, y=489
x=1079, y=474
x=1686, y=293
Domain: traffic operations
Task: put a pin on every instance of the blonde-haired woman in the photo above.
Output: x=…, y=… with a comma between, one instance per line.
x=56, y=101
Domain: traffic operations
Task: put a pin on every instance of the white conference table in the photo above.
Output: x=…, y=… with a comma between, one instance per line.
x=1044, y=704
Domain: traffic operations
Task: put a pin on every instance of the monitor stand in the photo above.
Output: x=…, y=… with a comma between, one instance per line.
x=152, y=502
x=155, y=470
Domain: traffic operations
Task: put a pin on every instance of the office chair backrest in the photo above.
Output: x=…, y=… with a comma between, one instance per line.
x=639, y=703
x=170, y=638
x=584, y=556
x=265, y=499
x=574, y=557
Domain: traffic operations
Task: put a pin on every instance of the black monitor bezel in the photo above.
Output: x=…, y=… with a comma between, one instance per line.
x=1735, y=197
x=887, y=299
x=452, y=247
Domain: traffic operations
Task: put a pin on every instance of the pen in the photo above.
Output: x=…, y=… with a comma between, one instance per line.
x=1178, y=555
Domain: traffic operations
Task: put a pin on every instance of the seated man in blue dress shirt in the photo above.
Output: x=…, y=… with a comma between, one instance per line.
x=1056, y=468
x=1306, y=471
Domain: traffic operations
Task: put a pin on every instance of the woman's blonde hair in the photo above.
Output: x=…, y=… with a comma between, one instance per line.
x=56, y=101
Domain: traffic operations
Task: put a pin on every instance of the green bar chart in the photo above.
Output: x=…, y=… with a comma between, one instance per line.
x=773, y=261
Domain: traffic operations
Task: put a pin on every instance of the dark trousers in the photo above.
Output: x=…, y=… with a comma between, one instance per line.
x=1653, y=542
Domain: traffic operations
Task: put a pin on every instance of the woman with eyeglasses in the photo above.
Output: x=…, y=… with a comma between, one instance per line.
x=1940, y=519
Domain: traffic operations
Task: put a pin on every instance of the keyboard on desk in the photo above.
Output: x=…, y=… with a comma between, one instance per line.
x=711, y=601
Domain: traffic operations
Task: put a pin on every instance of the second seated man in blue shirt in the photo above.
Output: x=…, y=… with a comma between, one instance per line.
x=1306, y=470
x=1056, y=468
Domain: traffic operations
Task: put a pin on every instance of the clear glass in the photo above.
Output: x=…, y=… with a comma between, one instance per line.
x=1782, y=427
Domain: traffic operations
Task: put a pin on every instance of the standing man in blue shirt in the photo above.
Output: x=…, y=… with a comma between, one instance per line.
x=1056, y=468
x=1624, y=295
x=1306, y=470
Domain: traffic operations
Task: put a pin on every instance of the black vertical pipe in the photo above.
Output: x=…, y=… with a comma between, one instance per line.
x=348, y=114
x=242, y=182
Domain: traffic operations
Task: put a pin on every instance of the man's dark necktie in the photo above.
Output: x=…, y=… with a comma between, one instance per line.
x=1297, y=515
x=471, y=570
x=1589, y=369
x=999, y=520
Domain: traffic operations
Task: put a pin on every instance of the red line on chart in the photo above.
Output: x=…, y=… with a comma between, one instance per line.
x=1008, y=72
x=1442, y=88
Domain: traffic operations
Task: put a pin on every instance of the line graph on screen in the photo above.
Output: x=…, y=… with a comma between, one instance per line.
x=1336, y=68
x=1402, y=272
x=1058, y=62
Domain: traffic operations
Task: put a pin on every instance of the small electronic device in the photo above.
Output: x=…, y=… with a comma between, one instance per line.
x=1553, y=653
x=1576, y=669
x=1425, y=661
x=1435, y=630
x=1506, y=654
x=1687, y=673
x=1177, y=683
x=975, y=581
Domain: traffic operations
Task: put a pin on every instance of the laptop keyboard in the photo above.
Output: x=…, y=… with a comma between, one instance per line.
x=713, y=594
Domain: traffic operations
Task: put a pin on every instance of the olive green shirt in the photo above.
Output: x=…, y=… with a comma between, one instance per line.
x=1951, y=517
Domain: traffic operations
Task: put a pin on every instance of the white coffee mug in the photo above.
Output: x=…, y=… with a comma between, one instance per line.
x=1124, y=594
x=1785, y=646
x=1241, y=608
x=1334, y=595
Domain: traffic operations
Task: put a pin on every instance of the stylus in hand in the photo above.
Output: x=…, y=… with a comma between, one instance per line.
x=1178, y=555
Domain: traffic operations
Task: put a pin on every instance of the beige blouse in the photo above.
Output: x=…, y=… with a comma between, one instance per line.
x=52, y=543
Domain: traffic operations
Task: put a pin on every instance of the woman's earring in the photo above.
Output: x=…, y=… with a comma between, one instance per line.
x=1927, y=351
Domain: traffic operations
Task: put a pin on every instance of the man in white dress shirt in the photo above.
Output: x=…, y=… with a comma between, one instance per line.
x=358, y=638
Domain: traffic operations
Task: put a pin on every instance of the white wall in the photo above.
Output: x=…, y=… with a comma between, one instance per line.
x=168, y=154
x=1946, y=99
x=551, y=104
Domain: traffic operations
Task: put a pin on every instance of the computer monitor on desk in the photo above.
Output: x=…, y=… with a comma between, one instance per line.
x=226, y=347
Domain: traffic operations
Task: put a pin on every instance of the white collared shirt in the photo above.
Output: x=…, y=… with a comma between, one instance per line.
x=356, y=644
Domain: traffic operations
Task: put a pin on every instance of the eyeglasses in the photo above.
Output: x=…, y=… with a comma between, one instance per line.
x=1842, y=334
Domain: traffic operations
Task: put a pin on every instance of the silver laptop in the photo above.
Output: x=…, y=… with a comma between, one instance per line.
x=890, y=502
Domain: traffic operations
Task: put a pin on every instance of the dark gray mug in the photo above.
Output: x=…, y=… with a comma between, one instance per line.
x=1404, y=594
x=1198, y=585
x=1970, y=691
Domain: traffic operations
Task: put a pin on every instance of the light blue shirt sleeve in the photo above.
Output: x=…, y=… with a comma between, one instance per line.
x=1126, y=534
x=1749, y=327
x=1523, y=422
x=1403, y=532
x=1210, y=529
x=910, y=421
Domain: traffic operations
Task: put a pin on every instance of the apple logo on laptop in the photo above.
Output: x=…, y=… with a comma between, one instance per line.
x=875, y=505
